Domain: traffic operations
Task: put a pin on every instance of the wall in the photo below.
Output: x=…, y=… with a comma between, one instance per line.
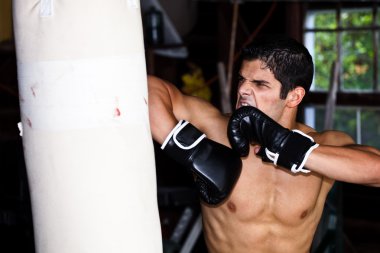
x=6, y=31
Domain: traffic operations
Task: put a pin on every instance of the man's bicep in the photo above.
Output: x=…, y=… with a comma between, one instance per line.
x=364, y=148
x=194, y=109
x=168, y=105
x=335, y=138
x=203, y=115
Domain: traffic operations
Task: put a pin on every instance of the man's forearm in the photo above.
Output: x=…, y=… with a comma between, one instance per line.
x=352, y=163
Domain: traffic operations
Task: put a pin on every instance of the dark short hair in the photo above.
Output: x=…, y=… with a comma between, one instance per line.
x=288, y=59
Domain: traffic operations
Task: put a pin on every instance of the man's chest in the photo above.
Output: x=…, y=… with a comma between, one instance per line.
x=266, y=193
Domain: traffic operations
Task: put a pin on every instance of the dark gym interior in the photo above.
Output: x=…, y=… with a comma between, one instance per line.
x=207, y=38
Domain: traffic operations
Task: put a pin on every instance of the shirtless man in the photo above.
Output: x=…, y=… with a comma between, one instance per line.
x=270, y=208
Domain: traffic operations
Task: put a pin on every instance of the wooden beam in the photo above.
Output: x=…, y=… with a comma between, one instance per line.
x=345, y=99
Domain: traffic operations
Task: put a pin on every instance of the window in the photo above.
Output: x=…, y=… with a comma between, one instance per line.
x=361, y=123
x=349, y=37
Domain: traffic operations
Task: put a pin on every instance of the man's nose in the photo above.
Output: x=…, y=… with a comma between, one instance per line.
x=245, y=88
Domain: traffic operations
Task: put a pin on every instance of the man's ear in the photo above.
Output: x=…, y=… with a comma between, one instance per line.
x=295, y=96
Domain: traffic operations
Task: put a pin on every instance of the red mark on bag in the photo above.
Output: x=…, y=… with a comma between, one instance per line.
x=117, y=112
x=33, y=91
x=29, y=122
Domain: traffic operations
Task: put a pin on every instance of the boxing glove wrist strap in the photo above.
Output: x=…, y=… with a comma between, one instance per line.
x=294, y=153
x=177, y=129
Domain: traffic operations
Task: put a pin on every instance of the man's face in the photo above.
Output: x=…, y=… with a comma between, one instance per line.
x=259, y=88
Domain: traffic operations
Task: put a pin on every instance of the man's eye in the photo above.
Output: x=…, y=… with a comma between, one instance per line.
x=259, y=84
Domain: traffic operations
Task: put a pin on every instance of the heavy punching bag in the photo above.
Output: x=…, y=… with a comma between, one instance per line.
x=86, y=136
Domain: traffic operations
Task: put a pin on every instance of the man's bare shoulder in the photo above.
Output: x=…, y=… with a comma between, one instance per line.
x=199, y=112
x=333, y=138
x=327, y=137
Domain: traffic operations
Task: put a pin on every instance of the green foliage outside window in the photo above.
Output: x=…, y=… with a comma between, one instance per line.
x=325, y=49
x=356, y=18
x=356, y=55
x=357, y=61
x=324, y=42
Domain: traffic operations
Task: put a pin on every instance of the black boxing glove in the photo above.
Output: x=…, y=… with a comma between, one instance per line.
x=216, y=167
x=286, y=148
